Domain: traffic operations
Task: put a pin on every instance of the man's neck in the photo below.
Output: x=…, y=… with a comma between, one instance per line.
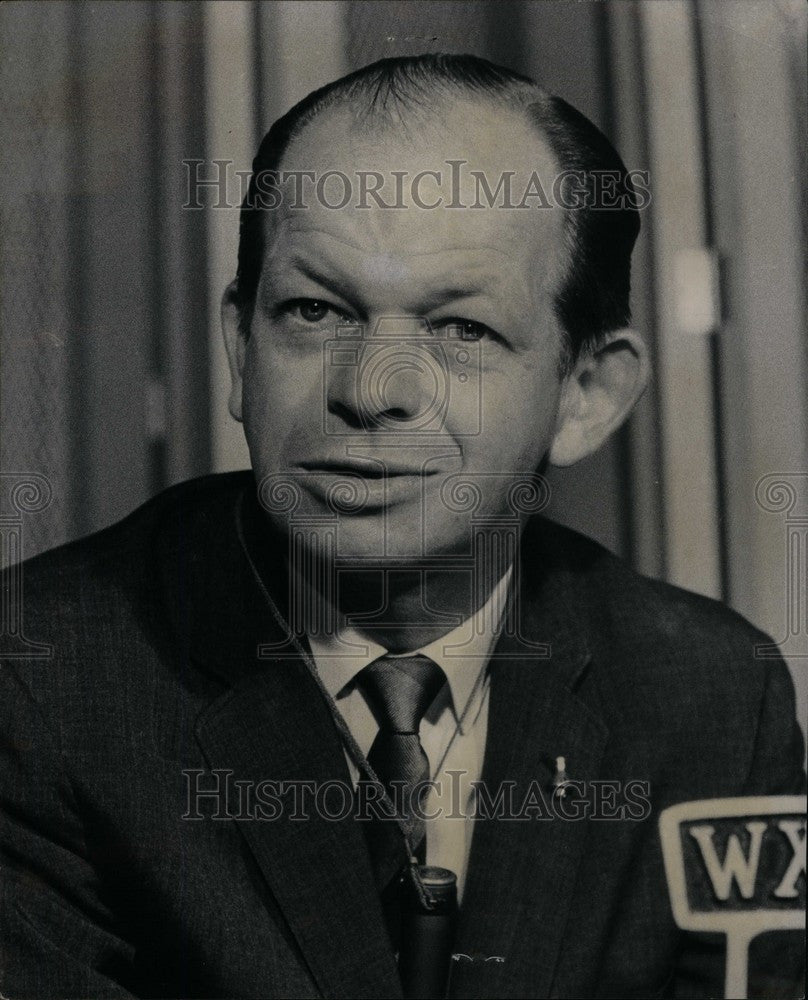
x=401, y=608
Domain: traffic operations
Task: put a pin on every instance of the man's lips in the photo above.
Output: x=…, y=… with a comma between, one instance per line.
x=367, y=468
x=385, y=484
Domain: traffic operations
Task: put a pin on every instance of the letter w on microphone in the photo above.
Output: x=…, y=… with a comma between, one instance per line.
x=736, y=866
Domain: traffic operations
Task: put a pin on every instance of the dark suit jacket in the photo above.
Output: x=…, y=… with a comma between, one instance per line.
x=107, y=891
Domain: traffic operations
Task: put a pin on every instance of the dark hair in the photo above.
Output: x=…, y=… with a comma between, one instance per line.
x=593, y=299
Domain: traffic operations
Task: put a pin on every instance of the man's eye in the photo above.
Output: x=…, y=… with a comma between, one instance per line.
x=467, y=329
x=312, y=310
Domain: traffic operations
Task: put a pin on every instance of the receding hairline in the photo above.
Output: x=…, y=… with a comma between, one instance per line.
x=375, y=126
x=593, y=297
x=526, y=101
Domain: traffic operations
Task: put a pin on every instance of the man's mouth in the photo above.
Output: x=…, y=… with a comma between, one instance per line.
x=368, y=468
x=381, y=483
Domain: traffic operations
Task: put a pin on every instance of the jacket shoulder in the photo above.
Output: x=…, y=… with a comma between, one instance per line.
x=107, y=619
x=682, y=678
x=125, y=546
x=94, y=599
x=630, y=607
x=657, y=641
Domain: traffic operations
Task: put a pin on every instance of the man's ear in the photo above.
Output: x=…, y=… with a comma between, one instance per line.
x=236, y=346
x=599, y=394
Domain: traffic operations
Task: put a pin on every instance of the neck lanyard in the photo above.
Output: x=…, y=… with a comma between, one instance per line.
x=352, y=746
x=461, y=718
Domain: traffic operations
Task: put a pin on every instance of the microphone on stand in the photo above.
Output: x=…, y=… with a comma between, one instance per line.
x=736, y=866
x=427, y=933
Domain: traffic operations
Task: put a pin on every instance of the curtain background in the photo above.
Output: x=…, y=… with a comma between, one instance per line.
x=112, y=377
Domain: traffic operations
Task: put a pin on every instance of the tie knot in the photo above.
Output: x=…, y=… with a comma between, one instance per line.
x=400, y=689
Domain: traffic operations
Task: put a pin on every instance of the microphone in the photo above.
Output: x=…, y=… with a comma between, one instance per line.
x=736, y=866
x=427, y=933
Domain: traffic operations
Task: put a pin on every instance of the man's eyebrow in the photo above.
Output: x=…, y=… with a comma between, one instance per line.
x=431, y=300
x=330, y=284
x=452, y=293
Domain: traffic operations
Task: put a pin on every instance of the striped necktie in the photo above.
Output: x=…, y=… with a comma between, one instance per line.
x=399, y=690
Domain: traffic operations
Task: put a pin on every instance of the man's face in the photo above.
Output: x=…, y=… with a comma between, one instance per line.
x=451, y=370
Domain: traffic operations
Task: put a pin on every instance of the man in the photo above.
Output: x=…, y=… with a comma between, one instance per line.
x=247, y=653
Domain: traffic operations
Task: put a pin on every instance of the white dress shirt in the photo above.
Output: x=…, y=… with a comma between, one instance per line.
x=453, y=729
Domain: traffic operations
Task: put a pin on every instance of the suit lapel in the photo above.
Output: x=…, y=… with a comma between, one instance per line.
x=277, y=727
x=268, y=721
x=522, y=872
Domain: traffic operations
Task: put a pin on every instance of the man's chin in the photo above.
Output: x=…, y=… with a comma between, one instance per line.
x=359, y=519
x=391, y=536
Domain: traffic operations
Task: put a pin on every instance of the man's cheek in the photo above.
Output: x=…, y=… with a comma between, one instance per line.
x=283, y=384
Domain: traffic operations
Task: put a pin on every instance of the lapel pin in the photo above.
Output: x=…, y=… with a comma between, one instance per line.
x=560, y=778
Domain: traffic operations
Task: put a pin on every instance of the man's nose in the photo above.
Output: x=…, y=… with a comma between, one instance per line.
x=396, y=384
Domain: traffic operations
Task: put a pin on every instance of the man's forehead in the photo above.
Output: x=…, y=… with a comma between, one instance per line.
x=445, y=182
x=310, y=250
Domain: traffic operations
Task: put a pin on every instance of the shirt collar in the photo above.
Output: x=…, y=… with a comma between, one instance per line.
x=462, y=653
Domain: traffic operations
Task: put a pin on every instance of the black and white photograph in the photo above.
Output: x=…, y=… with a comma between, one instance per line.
x=403, y=499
